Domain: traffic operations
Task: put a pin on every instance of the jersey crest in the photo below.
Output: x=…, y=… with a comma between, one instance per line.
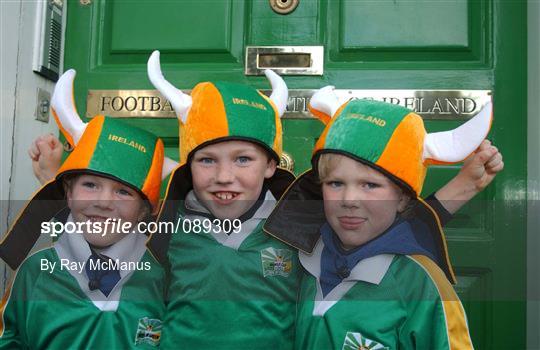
x=356, y=341
x=148, y=331
x=276, y=262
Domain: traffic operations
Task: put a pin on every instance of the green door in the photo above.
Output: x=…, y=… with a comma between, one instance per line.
x=384, y=44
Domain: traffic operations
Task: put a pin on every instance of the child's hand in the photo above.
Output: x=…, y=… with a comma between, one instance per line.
x=477, y=173
x=46, y=155
x=482, y=166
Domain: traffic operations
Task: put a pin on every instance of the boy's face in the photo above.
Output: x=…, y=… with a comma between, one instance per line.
x=360, y=203
x=95, y=199
x=228, y=176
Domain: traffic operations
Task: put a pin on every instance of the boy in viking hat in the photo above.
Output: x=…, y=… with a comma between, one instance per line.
x=231, y=285
x=97, y=286
x=377, y=270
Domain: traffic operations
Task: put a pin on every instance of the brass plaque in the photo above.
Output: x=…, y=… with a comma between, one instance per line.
x=129, y=103
x=430, y=104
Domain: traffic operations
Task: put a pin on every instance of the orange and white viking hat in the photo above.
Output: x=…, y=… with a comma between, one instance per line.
x=104, y=146
x=219, y=111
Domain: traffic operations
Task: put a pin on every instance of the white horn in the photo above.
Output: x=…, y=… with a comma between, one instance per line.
x=325, y=100
x=63, y=107
x=280, y=92
x=179, y=101
x=168, y=166
x=455, y=145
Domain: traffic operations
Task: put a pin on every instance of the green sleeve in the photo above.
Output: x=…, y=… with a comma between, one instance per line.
x=435, y=316
x=13, y=314
x=424, y=327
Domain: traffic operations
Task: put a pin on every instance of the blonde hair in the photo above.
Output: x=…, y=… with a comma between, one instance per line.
x=327, y=162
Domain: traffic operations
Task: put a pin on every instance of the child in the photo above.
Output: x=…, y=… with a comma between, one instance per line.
x=231, y=286
x=373, y=280
x=228, y=289
x=99, y=289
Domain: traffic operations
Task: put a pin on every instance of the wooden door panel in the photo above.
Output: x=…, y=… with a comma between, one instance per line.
x=188, y=31
x=410, y=33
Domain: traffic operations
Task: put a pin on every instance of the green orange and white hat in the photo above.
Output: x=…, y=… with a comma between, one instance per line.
x=222, y=111
x=105, y=147
x=217, y=112
x=391, y=139
x=109, y=147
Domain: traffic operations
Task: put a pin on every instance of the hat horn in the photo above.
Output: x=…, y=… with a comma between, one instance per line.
x=64, y=110
x=324, y=103
x=180, y=102
x=280, y=92
x=168, y=166
x=455, y=145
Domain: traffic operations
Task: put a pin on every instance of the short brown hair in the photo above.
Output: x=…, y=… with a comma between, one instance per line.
x=327, y=162
x=68, y=180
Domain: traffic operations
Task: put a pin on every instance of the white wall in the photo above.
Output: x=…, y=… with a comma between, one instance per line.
x=533, y=165
x=18, y=126
x=9, y=12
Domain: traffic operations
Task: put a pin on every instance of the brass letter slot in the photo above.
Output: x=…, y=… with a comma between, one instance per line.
x=285, y=60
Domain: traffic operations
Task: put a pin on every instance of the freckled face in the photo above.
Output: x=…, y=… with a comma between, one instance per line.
x=360, y=203
x=228, y=176
x=96, y=199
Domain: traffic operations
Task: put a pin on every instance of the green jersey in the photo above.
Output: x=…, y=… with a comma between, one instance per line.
x=387, y=302
x=49, y=304
x=235, y=291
